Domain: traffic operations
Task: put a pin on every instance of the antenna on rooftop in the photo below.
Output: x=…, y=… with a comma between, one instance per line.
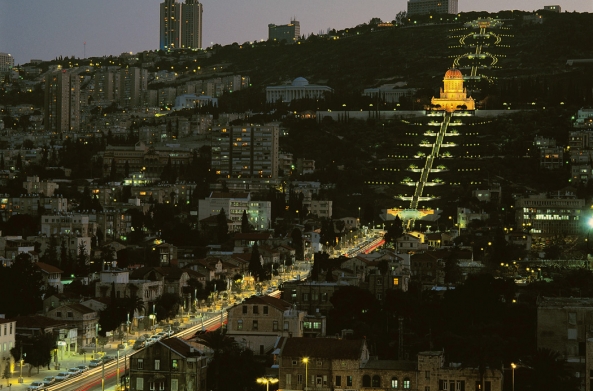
x=84, y=43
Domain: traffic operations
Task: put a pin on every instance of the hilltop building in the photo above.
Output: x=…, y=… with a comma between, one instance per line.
x=299, y=89
x=287, y=32
x=181, y=25
x=6, y=63
x=191, y=24
x=62, y=101
x=553, y=8
x=453, y=95
x=425, y=7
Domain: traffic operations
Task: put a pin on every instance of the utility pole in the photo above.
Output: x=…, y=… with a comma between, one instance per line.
x=400, y=348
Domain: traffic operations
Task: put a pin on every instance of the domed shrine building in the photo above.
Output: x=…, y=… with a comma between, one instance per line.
x=453, y=95
x=298, y=89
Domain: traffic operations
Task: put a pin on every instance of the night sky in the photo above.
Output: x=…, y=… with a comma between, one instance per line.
x=44, y=29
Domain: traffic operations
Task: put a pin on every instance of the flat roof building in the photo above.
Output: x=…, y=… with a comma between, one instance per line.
x=425, y=7
x=298, y=89
x=287, y=32
x=6, y=62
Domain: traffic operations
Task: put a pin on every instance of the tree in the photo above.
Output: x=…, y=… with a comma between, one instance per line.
x=549, y=371
x=222, y=226
x=19, y=162
x=394, y=230
x=6, y=372
x=220, y=345
x=82, y=259
x=113, y=170
x=255, y=266
x=22, y=287
x=36, y=352
x=245, y=223
x=64, y=257
x=483, y=352
x=453, y=272
x=167, y=306
x=351, y=306
x=401, y=16
x=127, y=169
x=297, y=243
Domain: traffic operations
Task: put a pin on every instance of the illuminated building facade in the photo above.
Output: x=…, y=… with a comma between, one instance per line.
x=132, y=84
x=181, y=25
x=191, y=24
x=6, y=63
x=425, y=7
x=170, y=25
x=246, y=151
x=62, y=101
x=453, y=95
x=287, y=32
x=559, y=213
x=259, y=213
x=299, y=89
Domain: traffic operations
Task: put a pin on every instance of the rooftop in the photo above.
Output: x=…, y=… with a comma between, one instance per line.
x=347, y=349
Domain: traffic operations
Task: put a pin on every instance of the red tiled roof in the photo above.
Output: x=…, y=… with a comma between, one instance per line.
x=3, y=320
x=79, y=307
x=268, y=300
x=35, y=321
x=331, y=348
x=241, y=257
x=194, y=274
x=253, y=236
x=220, y=194
x=179, y=346
x=48, y=268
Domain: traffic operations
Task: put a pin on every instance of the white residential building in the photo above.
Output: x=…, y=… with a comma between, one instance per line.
x=258, y=212
x=299, y=89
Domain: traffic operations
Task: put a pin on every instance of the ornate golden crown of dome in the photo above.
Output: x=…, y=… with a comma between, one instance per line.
x=453, y=74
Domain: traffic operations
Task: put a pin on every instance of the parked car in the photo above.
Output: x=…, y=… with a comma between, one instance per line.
x=49, y=380
x=83, y=368
x=36, y=385
x=151, y=340
x=95, y=363
x=74, y=371
x=108, y=358
x=138, y=344
x=63, y=376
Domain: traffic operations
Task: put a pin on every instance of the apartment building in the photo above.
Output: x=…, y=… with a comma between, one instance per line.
x=245, y=151
x=259, y=320
x=551, y=214
x=258, y=212
x=169, y=364
x=62, y=101
x=77, y=224
x=425, y=7
x=290, y=32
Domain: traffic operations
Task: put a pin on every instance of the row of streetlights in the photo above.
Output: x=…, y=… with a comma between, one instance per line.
x=271, y=380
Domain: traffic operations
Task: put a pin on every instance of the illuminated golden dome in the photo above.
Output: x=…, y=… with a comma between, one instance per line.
x=453, y=74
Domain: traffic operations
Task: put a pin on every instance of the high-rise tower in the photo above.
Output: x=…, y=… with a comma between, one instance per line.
x=170, y=25
x=181, y=24
x=62, y=101
x=191, y=24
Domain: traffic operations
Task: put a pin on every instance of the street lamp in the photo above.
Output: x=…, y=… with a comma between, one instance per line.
x=117, y=378
x=513, y=366
x=306, y=361
x=267, y=381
